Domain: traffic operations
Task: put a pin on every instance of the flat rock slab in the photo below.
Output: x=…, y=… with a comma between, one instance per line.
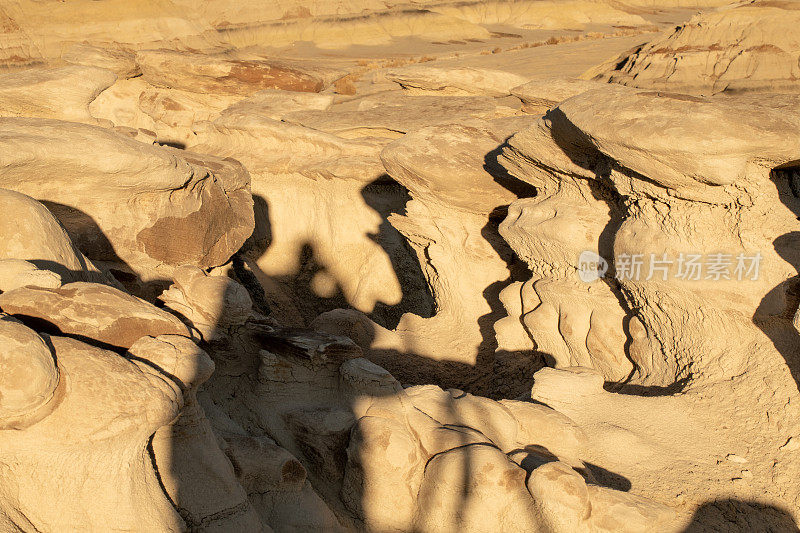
x=540, y=94
x=61, y=92
x=225, y=75
x=452, y=164
x=275, y=103
x=90, y=311
x=392, y=115
x=456, y=80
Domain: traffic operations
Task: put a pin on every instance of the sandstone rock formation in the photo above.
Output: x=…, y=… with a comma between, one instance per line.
x=421, y=79
x=207, y=73
x=112, y=56
x=457, y=192
x=576, y=154
x=393, y=114
x=62, y=93
x=393, y=265
x=134, y=204
x=538, y=96
x=748, y=47
x=301, y=178
x=601, y=187
x=90, y=310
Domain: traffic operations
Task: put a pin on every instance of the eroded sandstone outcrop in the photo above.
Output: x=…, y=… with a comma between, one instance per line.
x=225, y=75
x=35, y=242
x=301, y=178
x=458, y=196
x=101, y=387
x=61, y=92
x=538, y=96
x=392, y=114
x=422, y=79
x=90, y=310
x=256, y=276
x=572, y=159
x=625, y=185
x=751, y=46
x=388, y=458
x=143, y=209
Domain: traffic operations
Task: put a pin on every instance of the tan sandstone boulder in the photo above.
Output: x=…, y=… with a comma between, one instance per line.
x=34, y=236
x=142, y=207
x=93, y=437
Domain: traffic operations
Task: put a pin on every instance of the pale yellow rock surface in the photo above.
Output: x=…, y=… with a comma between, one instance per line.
x=603, y=177
x=752, y=46
x=201, y=479
x=457, y=191
x=559, y=14
x=421, y=79
x=30, y=375
x=62, y=93
x=276, y=103
x=94, y=442
x=359, y=265
x=391, y=115
x=539, y=95
x=32, y=234
x=115, y=57
x=16, y=273
x=457, y=177
x=148, y=207
x=90, y=310
x=301, y=178
x=36, y=30
x=208, y=302
x=224, y=75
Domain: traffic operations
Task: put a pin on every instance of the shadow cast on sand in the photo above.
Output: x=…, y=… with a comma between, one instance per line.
x=742, y=516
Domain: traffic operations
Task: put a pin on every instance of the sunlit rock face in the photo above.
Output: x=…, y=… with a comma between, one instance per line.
x=141, y=208
x=385, y=457
x=98, y=404
x=643, y=184
x=36, y=242
x=747, y=47
x=34, y=30
x=661, y=246
x=102, y=466
x=58, y=92
x=306, y=249
x=395, y=265
x=458, y=194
